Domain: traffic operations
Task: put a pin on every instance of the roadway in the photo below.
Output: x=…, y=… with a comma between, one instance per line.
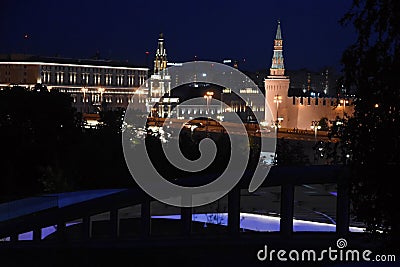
x=252, y=129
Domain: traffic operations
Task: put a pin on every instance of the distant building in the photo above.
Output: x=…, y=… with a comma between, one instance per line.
x=323, y=81
x=195, y=111
x=103, y=84
x=231, y=62
x=159, y=100
x=293, y=108
x=93, y=84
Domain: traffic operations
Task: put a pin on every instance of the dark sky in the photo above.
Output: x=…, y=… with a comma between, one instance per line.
x=208, y=29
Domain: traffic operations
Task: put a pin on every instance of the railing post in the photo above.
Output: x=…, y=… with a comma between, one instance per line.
x=86, y=228
x=145, y=217
x=234, y=211
x=114, y=223
x=287, y=208
x=342, y=206
x=186, y=219
x=37, y=234
x=61, y=230
x=14, y=237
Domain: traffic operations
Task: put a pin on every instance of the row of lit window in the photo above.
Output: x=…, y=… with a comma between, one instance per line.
x=91, y=70
x=258, y=108
x=95, y=98
x=94, y=91
x=9, y=73
x=118, y=100
x=97, y=78
x=13, y=66
x=198, y=111
x=316, y=102
x=249, y=91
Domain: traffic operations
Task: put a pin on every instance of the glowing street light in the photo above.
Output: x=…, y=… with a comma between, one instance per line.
x=277, y=101
x=344, y=102
x=276, y=125
x=84, y=91
x=224, y=91
x=315, y=126
x=208, y=96
x=101, y=90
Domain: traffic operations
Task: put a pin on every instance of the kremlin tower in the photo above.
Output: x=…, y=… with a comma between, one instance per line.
x=277, y=84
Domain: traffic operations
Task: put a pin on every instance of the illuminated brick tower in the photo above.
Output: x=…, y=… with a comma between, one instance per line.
x=296, y=111
x=277, y=84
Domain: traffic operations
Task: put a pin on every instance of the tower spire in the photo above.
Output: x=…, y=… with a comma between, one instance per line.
x=160, y=61
x=278, y=67
x=278, y=31
x=277, y=85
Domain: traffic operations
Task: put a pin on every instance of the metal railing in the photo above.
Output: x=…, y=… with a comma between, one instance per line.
x=17, y=222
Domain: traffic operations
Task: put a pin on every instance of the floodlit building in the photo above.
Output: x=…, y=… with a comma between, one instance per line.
x=104, y=84
x=93, y=84
x=301, y=110
x=159, y=100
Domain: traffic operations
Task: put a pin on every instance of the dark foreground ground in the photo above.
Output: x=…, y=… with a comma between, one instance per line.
x=214, y=248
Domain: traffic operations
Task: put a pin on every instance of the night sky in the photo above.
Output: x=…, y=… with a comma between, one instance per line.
x=206, y=30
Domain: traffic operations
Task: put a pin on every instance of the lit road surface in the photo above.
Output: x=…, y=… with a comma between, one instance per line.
x=252, y=129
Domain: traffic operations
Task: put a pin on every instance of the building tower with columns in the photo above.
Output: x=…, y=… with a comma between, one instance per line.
x=160, y=102
x=160, y=60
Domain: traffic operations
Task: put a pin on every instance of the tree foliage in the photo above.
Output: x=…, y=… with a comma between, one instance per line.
x=370, y=68
x=37, y=129
x=44, y=147
x=290, y=153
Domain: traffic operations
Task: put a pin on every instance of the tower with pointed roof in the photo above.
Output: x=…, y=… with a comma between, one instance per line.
x=160, y=84
x=276, y=83
x=278, y=66
x=160, y=60
x=295, y=111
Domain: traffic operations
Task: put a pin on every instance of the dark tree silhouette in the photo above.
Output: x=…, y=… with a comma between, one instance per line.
x=323, y=122
x=112, y=119
x=290, y=153
x=37, y=131
x=370, y=68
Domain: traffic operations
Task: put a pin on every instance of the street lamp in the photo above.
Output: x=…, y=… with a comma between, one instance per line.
x=221, y=113
x=84, y=91
x=101, y=90
x=277, y=100
x=315, y=126
x=344, y=102
x=276, y=124
x=224, y=91
x=208, y=96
